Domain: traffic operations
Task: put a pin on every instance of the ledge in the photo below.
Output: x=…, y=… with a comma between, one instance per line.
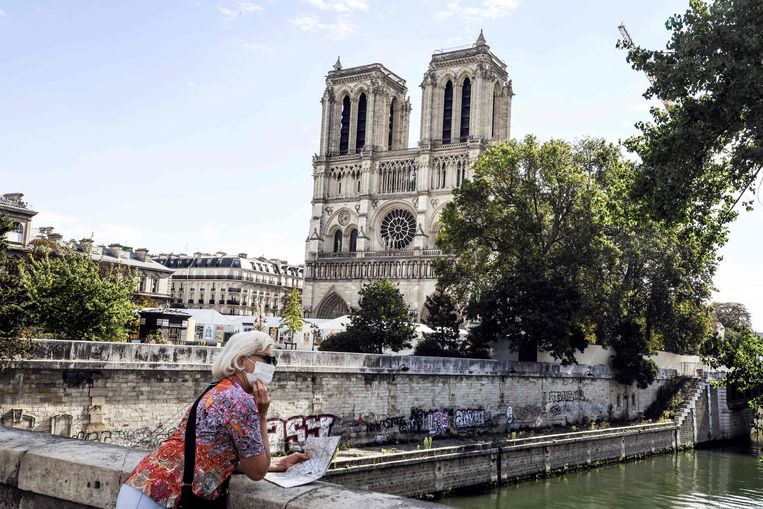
x=36, y=466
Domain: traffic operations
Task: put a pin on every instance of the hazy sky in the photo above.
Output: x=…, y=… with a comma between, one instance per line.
x=190, y=125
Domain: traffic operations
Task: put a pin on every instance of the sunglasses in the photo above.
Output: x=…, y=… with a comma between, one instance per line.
x=269, y=359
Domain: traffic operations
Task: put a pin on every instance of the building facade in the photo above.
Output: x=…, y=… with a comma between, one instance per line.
x=232, y=285
x=152, y=286
x=13, y=206
x=376, y=203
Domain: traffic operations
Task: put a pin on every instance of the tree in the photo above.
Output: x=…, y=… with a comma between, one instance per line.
x=732, y=315
x=292, y=314
x=741, y=350
x=700, y=156
x=527, y=227
x=14, y=303
x=552, y=252
x=379, y=322
x=443, y=317
x=70, y=298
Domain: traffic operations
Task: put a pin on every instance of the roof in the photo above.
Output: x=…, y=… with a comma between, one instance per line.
x=258, y=264
x=129, y=258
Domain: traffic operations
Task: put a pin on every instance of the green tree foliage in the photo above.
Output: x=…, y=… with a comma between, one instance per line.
x=700, y=156
x=292, y=315
x=732, y=315
x=443, y=317
x=379, y=322
x=72, y=300
x=552, y=252
x=741, y=350
x=14, y=303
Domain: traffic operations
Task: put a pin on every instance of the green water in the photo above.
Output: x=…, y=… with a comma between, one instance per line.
x=728, y=477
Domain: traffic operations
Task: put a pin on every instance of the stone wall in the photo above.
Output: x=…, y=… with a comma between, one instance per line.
x=44, y=472
x=418, y=472
x=136, y=394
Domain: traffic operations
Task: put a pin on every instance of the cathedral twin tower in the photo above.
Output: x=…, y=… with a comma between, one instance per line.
x=376, y=203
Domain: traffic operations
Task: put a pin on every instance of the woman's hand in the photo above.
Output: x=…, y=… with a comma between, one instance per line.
x=261, y=397
x=286, y=462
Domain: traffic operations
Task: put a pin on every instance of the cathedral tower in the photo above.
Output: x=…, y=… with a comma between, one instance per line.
x=376, y=204
x=466, y=96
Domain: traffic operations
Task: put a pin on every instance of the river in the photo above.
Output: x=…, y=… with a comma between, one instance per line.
x=726, y=477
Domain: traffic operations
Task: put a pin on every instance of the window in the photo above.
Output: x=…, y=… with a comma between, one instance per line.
x=360, y=131
x=344, y=132
x=16, y=233
x=353, y=240
x=338, y=241
x=391, y=124
x=466, y=99
x=447, y=112
x=398, y=229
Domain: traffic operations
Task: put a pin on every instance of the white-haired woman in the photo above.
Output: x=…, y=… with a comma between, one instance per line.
x=231, y=431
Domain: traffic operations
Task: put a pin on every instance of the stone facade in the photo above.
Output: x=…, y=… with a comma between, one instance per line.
x=16, y=209
x=376, y=204
x=232, y=285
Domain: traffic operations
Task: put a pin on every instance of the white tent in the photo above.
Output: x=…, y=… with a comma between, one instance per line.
x=338, y=324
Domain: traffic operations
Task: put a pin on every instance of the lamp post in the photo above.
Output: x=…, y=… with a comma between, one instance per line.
x=401, y=369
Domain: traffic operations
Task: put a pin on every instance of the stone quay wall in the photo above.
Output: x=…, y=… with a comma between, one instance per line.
x=135, y=394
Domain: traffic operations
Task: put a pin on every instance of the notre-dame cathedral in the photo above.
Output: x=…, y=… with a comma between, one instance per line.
x=376, y=203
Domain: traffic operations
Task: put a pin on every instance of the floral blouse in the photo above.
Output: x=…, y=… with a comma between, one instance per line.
x=227, y=428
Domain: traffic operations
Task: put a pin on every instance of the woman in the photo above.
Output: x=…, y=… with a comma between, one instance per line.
x=231, y=431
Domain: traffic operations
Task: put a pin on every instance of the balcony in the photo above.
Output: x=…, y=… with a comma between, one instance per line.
x=398, y=253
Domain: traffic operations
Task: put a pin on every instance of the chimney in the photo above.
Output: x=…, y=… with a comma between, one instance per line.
x=14, y=198
x=141, y=254
x=87, y=245
x=220, y=254
x=55, y=238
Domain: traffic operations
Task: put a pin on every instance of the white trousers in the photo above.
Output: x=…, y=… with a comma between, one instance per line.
x=130, y=498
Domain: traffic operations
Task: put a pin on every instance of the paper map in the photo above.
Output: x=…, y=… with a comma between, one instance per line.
x=321, y=451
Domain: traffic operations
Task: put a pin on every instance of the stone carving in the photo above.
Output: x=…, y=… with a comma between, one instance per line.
x=357, y=208
x=435, y=202
x=329, y=210
x=344, y=217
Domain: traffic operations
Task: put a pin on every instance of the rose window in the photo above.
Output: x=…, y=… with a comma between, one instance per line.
x=397, y=229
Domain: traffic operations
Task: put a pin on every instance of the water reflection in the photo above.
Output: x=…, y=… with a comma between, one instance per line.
x=729, y=477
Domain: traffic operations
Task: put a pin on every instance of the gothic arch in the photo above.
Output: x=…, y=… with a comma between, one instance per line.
x=358, y=91
x=443, y=80
x=332, y=306
x=462, y=76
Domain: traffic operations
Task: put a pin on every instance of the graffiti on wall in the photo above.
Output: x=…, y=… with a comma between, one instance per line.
x=438, y=422
x=470, y=419
x=560, y=396
x=295, y=430
x=141, y=438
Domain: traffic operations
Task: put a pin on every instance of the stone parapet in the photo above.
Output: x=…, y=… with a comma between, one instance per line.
x=39, y=470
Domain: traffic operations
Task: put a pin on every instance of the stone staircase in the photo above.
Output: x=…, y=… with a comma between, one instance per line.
x=697, y=387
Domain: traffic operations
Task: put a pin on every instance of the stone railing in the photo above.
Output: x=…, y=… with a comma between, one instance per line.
x=382, y=254
x=38, y=470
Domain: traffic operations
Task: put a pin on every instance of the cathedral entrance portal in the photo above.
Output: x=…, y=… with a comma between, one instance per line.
x=332, y=306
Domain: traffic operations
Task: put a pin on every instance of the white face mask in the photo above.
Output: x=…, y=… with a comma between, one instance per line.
x=262, y=372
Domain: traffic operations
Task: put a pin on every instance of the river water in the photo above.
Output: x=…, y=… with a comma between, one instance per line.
x=728, y=477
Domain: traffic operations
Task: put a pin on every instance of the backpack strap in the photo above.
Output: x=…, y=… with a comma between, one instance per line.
x=189, y=456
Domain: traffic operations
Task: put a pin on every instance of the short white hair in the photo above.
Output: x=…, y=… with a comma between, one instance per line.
x=240, y=345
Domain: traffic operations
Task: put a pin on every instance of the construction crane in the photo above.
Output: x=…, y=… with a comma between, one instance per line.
x=629, y=42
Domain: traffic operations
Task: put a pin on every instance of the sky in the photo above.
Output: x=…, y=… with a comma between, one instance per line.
x=184, y=126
